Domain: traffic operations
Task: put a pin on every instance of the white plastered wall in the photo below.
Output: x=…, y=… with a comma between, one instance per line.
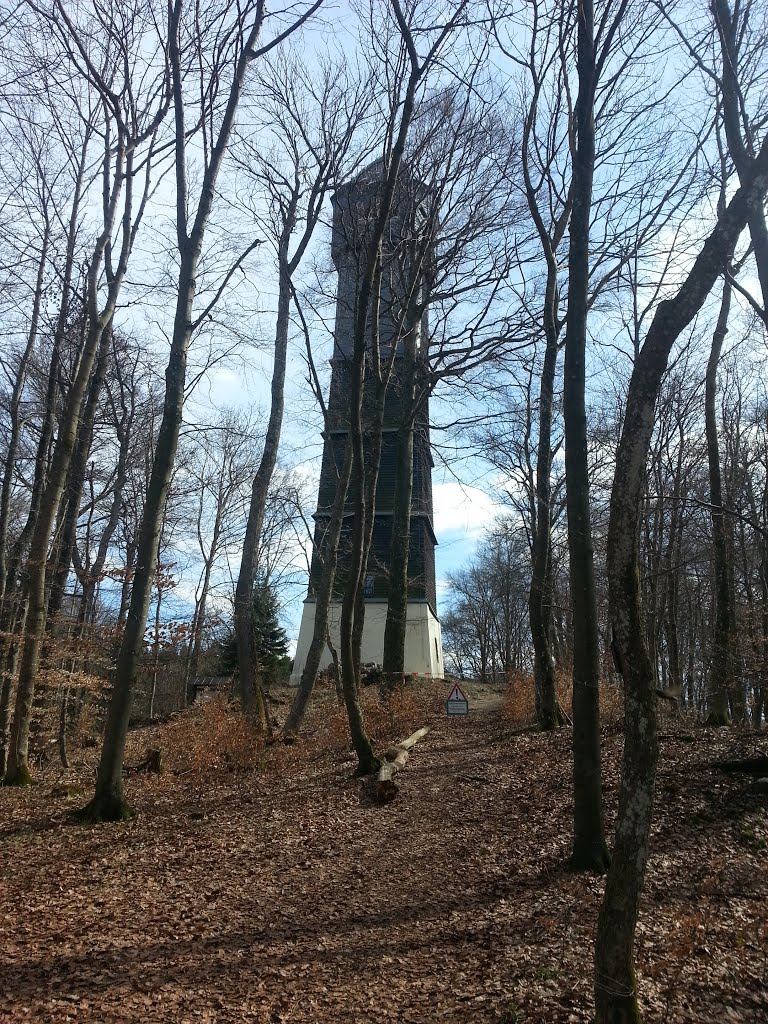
x=423, y=639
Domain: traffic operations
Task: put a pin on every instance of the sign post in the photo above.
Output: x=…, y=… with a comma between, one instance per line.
x=457, y=703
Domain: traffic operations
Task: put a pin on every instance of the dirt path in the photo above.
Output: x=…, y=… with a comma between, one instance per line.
x=291, y=901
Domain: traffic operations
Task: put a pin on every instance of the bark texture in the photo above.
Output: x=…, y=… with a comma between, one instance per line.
x=719, y=675
x=589, y=849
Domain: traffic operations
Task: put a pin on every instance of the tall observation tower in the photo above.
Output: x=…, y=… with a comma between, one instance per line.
x=353, y=211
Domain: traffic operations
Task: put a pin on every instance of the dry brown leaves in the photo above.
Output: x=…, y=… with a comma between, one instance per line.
x=264, y=891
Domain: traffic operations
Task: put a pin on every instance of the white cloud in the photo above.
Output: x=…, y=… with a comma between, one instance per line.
x=227, y=387
x=462, y=509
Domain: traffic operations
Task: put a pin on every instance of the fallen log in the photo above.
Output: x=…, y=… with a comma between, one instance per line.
x=748, y=765
x=411, y=741
x=385, y=788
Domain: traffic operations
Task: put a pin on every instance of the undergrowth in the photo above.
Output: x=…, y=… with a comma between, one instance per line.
x=519, y=702
x=211, y=737
x=387, y=718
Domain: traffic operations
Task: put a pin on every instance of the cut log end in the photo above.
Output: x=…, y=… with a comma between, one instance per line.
x=386, y=791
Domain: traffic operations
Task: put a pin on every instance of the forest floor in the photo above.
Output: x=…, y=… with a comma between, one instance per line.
x=271, y=892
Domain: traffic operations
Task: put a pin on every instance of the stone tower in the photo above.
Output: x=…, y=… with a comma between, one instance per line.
x=354, y=205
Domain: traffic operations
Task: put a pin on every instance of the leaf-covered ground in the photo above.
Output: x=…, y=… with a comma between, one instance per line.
x=275, y=894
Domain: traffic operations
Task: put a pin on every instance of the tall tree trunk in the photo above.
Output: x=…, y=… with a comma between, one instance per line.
x=251, y=690
x=397, y=607
x=10, y=661
x=540, y=610
x=40, y=474
x=9, y=646
x=367, y=762
x=540, y=598
x=329, y=557
x=743, y=160
x=719, y=675
x=671, y=563
x=589, y=850
x=762, y=699
x=18, y=771
x=9, y=464
x=615, y=983
x=76, y=478
x=10, y=570
x=372, y=265
x=108, y=803
x=156, y=647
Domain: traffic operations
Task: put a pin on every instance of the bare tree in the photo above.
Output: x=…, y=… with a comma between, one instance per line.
x=51, y=156
x=589, y=848
x=438, y=291
x=361, y=223
x=222, y=74
x=487, y=620
x=221, y=471
x=719, y=681
x=615, y=984
x=549, y=196
x=312, y=126
x=130, y=141
x=463, y=154
x=125, y=401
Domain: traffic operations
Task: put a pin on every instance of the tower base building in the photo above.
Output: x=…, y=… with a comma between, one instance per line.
x=423, y=639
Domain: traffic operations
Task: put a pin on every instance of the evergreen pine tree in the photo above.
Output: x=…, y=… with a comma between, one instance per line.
x=270, y=640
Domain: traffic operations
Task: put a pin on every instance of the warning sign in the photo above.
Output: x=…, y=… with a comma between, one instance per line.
x=457, y=703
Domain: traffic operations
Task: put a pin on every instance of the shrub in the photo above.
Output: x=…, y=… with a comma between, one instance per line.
x=387, y=717
x=212, y=736
x=519, y=701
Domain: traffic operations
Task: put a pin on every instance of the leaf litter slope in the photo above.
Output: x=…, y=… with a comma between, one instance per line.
x=278, y=895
